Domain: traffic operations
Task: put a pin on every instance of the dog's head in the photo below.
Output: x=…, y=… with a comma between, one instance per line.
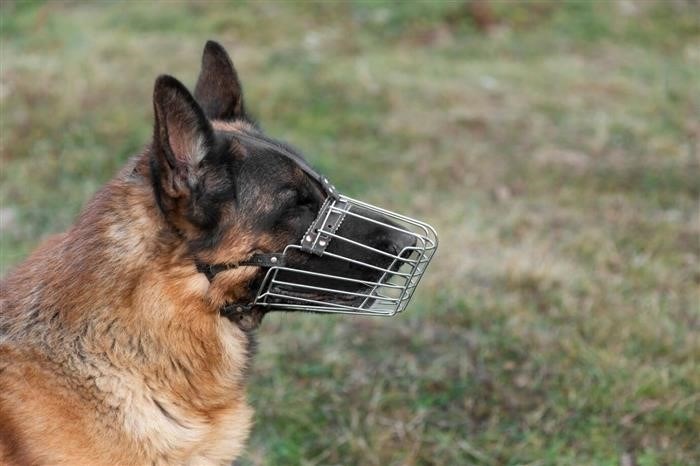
x=233, y=192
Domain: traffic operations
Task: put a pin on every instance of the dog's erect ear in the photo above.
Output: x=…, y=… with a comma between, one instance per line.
x=218, y=90
x=181, y=138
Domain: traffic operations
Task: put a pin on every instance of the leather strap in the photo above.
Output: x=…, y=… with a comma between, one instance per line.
x=275, y=259
x=326, y=185
x=327, y=222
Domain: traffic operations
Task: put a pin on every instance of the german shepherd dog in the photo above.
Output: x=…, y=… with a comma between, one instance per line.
x=113, y=349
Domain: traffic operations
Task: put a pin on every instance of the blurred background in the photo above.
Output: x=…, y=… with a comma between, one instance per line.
x=554, y=145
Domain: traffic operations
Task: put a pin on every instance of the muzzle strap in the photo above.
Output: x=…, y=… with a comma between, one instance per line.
x=323, y=182
x=256, y=260
x=328, y=220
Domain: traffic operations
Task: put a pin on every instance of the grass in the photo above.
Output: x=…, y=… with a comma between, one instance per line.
x=557, y=154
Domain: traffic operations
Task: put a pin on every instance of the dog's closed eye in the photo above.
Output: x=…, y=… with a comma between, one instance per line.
x=292, y=199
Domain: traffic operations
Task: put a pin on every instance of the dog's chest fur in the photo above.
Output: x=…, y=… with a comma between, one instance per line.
x=180, y=417
x=113, y=415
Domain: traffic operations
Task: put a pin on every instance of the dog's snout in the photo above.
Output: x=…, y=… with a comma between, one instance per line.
x=395, y=242
x=402, y=241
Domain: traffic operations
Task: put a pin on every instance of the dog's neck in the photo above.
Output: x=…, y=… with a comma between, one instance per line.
x=121, y=259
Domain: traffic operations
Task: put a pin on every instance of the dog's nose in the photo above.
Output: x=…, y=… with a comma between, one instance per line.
x=402, y=240
x=386, y=235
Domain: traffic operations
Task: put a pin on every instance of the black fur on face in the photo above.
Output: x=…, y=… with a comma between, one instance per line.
x=229, y=188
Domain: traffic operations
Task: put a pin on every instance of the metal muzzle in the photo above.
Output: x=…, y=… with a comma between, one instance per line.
x=397, y=272
x=291, y=285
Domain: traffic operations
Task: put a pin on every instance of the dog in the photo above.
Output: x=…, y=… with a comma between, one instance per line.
x=114, y=349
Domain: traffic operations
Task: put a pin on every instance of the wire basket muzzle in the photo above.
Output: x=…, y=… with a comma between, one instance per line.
x=352, y=274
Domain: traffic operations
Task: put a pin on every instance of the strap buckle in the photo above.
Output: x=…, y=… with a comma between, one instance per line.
x=321, y=231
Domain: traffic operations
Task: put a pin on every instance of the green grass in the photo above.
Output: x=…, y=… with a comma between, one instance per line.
x=557, y=155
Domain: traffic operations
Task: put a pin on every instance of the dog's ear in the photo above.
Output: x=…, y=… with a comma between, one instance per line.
x=182, y=137
x=218, y=90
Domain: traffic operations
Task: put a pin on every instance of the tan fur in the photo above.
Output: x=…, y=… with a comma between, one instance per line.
x=112, y=350
x=236, y=126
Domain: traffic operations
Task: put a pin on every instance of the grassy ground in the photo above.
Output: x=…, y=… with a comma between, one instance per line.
x=554, y=146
